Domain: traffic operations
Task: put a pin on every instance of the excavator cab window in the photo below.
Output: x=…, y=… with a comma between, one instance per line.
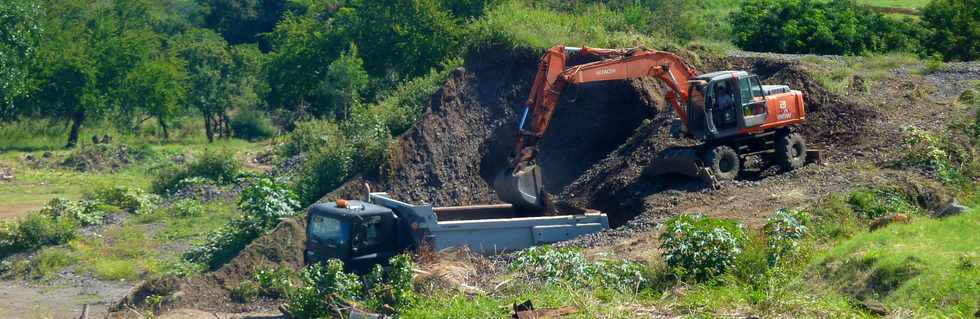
x=753, y=101
x=696, y=109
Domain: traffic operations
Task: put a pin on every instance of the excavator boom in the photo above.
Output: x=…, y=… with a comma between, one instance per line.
x=521, y=183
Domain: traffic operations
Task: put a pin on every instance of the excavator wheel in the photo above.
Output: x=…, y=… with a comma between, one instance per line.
x=723, y=162
x=790, y=151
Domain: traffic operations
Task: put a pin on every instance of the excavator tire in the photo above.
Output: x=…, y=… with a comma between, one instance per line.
x=790, y=151
x=723, y=162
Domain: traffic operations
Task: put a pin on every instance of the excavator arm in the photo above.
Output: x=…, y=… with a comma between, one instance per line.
x=521, y=183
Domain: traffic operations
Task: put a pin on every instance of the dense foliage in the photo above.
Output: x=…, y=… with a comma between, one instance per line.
x=218, y=167
x=954, y=28
x=324, y=290
x=564, y=265
x=822, y=27
x=701, y=247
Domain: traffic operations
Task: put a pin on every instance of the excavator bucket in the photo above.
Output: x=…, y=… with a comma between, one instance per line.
x=524, y=188
x=677, y=160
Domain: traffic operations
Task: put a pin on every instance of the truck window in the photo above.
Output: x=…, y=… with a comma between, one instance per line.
x=328, y=229
x=371, y=231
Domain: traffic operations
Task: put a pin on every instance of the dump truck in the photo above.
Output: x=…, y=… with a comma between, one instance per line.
x=369, y=232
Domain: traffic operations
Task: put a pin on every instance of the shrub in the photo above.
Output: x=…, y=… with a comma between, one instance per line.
x=273, y=282
x=246, y=291
x=252, y=125
x=394, y=289
x=52, y=260
x=133, y=200
x=701, y=247
x=810, y=26
x=222, y=168
x=86, y=212
x=322, y=287
x=35, y=231
x=553, y=265
x=783, y=231
x=186, y=208
x=323, y=172
x=265, y=200
x=311, y=136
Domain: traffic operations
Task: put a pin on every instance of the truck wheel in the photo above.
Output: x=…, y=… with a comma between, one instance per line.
x=723, y=162
x=791, y=151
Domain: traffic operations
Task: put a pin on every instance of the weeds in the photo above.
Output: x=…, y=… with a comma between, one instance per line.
x=222, y=168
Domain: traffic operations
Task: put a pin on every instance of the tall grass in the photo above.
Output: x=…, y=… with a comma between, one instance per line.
x=45, y=134
x=516, y=24
x=929, y=267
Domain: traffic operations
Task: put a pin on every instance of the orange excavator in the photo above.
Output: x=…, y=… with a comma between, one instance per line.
x=729, y=112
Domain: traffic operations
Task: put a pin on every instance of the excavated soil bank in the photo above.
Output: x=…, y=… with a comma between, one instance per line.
x=602, y=138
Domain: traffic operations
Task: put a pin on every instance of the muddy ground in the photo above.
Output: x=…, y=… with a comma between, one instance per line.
x=603, y=137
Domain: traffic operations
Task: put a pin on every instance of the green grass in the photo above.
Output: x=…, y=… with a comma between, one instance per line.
x=52, y=260
x=930, y=267
x=516, y=24
x=910, y=4
x=839, y=76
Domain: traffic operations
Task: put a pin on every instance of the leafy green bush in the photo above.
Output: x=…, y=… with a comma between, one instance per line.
x=784, y=230
x=273, y=282
x=821, y=27
x=323, y=290
x=311, y=136
x=391, y=290
x=246, y=291
x=131, y=199
x=220, y=167
x=35, y=231
x=186, y=207
x=86, y=212
x=554, y=265
x=701, y=247
x=323, y=172
x=252, y=125
x=264, y=201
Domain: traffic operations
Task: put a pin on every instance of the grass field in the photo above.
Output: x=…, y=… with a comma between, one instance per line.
x=911, y=4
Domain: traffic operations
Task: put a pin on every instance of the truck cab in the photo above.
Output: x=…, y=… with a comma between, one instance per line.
x=359, y=233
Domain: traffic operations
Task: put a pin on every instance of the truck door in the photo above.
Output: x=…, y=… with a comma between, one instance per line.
x=753, y=101
x=374, y=240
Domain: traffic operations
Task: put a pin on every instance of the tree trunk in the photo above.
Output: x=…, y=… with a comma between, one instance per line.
x=163, y=125
x=76, y=126
x=227, y=124
x=207, y=127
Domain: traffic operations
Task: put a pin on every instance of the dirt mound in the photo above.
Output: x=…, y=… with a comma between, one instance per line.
x=96, y=157
x=283, y=247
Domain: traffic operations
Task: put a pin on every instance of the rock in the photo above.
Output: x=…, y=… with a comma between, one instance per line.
x=952, y=209
x=886, y=220
x=874, y=307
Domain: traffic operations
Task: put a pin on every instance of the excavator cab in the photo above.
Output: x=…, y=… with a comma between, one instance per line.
x=723, y=104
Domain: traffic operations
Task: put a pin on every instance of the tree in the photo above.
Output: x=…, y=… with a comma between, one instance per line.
x=220, y=76
x=405, y=37
x=303, y=48
x=19, y=30
x=955, y=28
x=343, y=85
x=241, y=21
x=156, y=87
